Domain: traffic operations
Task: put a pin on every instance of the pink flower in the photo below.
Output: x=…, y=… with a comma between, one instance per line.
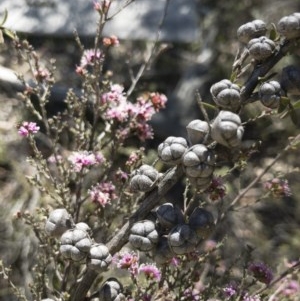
x=158, y=101
x=291, y=288
x=103, y=193
x=55, y=159
x=28, y=128
x=111, y=41
x=128, y=261
x=278, y=187
x=89, y=57
x=247, y=297
x=230, y=290
x=261, y=272
x=82, y=159
x=151, y=271
x=115, y=95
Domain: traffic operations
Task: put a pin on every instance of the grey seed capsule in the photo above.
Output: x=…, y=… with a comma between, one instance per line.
x=261, y=48
x=58, y=222
x=169, y=215
x=172, y=149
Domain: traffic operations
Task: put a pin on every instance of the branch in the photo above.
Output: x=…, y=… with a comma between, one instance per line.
x=149, y=201
x=262, y=69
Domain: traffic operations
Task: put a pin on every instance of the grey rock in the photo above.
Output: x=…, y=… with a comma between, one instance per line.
x=139, y=20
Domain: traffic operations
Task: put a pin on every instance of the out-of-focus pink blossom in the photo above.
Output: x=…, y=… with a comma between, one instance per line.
x=89, y=57
x=278, y=187
x=291, y=288
x=82, y=159
x=111, y=41
x=114, y=96
x=158, y=100
x=151, y=271
x=102, y=193
x=28, y=128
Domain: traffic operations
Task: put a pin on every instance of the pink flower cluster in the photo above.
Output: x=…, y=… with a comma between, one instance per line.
x=137, y=114
x=130, y=262
x=278, y=187
x=28, y=128
x=82, y=159
x=103, y=193
x=89, y=57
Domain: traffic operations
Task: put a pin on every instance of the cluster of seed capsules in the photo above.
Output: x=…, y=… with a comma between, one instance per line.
x=76, y=244
x=170, y=231
x=253, y=36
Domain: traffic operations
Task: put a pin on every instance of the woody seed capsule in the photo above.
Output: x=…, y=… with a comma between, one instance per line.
x=202, y=222
x=172, y=149
x=143, y=235
x=111, y=290
x=290, y=80
x=197, y=131
x=75, y=244
x=251, y=30
x=289, y=26
x=169, y=215
x=226, y=94
x=182, y=239
x=99, y=257
x=198, y=161
x=144, y=178
x=58, y=222
x=227, y=129
x=261, y=48
x=270, y=94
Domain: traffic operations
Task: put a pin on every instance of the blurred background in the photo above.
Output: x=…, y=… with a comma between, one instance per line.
x=197, y=46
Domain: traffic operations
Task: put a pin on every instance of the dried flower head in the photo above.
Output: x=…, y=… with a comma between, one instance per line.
x=261, y=272
x=278, y=187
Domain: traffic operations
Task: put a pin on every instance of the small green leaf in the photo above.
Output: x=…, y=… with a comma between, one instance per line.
x=209, y=106
x=233, y=76
x=9, y=33
x=293, y=115
x=284, y=102
x=296, y=105
x=4, y=18
x=266, y=78
x=273, y=32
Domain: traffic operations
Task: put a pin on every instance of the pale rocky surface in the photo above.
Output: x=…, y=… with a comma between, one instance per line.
x=139, y=20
